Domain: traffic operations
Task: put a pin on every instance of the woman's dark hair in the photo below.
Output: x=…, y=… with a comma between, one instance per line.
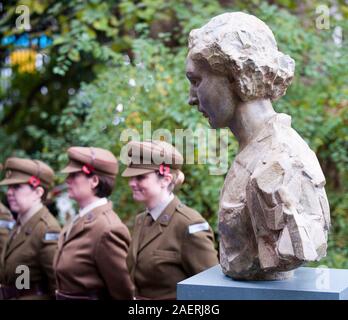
x=105, y=186
x=44, y=195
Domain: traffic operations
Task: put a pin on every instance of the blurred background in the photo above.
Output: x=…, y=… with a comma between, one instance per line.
x=80, y=72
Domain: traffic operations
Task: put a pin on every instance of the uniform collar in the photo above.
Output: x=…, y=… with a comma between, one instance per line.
x=168, y=212
x=156, y=211
x=156, y=228
x=91, y=206
x=25, y=231
x=23, y=219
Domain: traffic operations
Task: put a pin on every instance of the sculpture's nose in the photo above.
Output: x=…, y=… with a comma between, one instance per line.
x=193, y=101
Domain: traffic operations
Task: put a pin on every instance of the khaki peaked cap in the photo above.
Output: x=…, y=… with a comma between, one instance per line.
x=20, y=170
x=97, y=160
x=148, y=156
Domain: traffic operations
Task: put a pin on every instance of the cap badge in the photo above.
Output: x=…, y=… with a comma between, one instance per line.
x=8, y=174
x=89, y=217
x=34, y=181
x=165, y=218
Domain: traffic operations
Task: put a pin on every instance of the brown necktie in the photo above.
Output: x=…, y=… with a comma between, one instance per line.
x=148, y=220
x=70, y=226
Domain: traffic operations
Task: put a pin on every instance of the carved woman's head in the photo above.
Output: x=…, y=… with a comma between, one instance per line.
x=239, y=51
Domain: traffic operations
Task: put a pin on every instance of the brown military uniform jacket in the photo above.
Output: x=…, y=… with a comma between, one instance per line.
x=34, y=246
x=91, y=261
x=6, y=224
x=172, y=250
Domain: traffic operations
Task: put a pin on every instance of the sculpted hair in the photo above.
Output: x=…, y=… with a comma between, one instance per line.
x=243, y=47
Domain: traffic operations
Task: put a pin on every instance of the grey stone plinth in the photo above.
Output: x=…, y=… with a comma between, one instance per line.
x=306, y=284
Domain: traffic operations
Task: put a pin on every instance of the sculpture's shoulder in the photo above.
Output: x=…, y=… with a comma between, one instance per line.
x=289, y=172
x=288, y=153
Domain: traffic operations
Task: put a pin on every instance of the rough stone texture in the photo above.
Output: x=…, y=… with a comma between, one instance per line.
x=247, y=50
x=274, y=214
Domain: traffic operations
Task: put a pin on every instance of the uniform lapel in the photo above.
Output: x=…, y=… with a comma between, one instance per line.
x=79, y=225
x=135, y=243
x=26, y=230
x=62, y=236
x=153, y=232
x=77, y=228
x=136, y=235
x=59, y=246
x=162, y=221
x=13, y=243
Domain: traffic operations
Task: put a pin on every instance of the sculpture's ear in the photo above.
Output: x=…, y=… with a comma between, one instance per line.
x=234, y=88
x=231, y=78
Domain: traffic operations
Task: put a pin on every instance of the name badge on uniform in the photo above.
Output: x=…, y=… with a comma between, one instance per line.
x=51, y=236
x=7, y=224
x=193, y=228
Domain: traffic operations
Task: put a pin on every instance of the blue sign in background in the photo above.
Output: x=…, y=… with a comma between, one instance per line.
x=24, y=41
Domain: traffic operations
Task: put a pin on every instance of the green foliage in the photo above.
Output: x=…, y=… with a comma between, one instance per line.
x=133, y=54
x=150, y=88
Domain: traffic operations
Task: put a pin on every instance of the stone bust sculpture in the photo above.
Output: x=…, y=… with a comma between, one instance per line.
x=274, y=214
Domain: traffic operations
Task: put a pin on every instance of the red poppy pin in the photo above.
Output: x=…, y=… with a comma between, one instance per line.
x=87, y=168
x=163, y=169
x=34, y=181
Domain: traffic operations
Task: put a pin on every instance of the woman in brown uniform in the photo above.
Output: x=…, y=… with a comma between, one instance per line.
x=6, y=223
x=171, y=241
x=26, y=270
x=90, y=263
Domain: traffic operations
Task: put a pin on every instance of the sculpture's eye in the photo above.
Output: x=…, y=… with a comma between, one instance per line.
x=192, y=78
x=195, y=82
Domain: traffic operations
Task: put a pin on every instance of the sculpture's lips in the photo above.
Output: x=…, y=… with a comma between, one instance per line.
x=203, y=112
